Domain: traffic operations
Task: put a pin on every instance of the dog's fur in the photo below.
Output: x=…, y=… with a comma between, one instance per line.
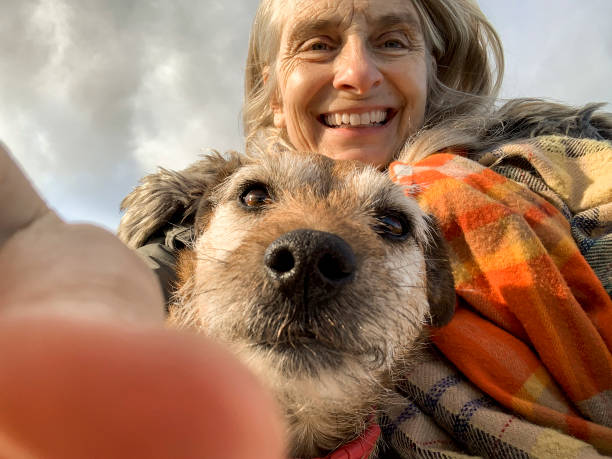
x=330, y=350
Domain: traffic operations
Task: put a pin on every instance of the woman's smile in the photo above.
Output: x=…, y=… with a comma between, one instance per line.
x=352, y=78
x=358, y=125
x=357, y=118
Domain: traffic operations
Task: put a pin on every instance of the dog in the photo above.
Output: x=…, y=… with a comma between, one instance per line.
x=320, y=275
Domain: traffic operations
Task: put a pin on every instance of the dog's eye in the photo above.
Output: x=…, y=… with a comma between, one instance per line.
x=392, y=226
x=255, y=196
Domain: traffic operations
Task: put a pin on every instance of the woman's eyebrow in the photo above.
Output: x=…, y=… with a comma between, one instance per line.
x=310, y=27
x=392, y=20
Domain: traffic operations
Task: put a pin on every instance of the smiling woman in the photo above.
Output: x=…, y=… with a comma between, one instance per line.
x=352, y=78
x=357, y=79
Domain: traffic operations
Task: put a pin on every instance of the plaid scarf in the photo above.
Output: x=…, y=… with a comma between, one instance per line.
x=524, y=369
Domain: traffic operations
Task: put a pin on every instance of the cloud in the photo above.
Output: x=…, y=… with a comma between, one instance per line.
x=560, y=50
x=96, y=93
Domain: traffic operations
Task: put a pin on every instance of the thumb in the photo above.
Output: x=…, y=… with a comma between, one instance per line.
x=20, y=204
x=83, y=389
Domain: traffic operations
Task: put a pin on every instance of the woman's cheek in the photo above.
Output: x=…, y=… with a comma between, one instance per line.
x=301, y=130
x=299, y=94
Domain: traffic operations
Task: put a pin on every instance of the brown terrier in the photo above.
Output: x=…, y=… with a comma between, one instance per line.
x=320, y=275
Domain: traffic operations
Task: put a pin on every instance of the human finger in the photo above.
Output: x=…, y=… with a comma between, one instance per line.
x=20, y=204
x=76, y=270
x=47, y=265
x=73, y=390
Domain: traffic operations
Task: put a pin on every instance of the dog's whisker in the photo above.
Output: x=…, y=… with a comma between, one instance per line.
x=207, y=257
x=204, y=291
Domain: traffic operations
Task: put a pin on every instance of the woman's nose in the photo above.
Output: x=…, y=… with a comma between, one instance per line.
x=356, y=69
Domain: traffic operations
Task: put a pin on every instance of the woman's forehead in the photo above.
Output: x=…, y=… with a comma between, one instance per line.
x=300, y=14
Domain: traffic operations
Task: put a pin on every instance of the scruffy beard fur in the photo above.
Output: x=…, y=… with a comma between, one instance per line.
x=329, y=353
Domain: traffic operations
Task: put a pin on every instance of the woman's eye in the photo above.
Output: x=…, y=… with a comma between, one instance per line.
x=393, y=40
x=319, y=44
x=319, y=47
x=255, y=197
x=393, y=227
x=393, y=44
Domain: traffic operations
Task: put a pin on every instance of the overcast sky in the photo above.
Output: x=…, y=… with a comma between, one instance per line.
x=96, y=93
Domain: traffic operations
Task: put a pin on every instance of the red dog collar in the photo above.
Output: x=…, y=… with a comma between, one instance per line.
x=360, y=448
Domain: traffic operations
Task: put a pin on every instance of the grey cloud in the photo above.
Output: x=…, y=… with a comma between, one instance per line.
x=559, y=49
x=96, y=93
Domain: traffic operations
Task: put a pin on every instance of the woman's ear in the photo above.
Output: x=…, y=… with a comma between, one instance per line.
x=275, y=104
x=279, y=117
x=277, y=110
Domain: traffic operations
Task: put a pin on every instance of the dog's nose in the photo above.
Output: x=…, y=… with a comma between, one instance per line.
x=311, y=263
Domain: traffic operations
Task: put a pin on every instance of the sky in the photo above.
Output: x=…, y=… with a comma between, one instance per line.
x=94, y=94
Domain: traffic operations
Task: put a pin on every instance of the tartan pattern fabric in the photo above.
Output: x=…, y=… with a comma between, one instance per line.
x=575, y=175
x=527, y=367
x=460, y=419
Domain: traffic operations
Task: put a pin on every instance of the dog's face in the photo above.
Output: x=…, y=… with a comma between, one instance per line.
x=321, y=276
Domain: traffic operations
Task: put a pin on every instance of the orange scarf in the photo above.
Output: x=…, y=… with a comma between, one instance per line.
x=533, y=326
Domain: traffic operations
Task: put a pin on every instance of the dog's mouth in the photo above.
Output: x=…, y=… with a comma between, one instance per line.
x=302, y=351
x=297, y=346
x=304, y=355
x=299, y=342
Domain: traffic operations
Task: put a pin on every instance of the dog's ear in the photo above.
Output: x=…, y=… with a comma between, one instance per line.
x=440, y=283
x=170, y=197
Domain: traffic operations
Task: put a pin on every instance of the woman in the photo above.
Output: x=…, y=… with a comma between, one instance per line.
x=359, y=80
x=414, y=62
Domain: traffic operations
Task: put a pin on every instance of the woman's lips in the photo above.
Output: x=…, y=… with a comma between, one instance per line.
x=364, y=119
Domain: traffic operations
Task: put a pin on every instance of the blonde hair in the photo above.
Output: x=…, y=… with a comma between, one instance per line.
x=465, y=73
x=260, y=83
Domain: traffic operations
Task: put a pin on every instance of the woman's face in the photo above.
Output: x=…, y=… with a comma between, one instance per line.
x=352, y=77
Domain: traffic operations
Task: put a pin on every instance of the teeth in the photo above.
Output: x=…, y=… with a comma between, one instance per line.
x=356, y=119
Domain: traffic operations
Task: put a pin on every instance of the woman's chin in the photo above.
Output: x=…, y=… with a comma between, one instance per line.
x=378, y=156
x=365, y=144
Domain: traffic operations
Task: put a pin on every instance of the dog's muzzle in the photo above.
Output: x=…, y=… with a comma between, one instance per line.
x=310, y=266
